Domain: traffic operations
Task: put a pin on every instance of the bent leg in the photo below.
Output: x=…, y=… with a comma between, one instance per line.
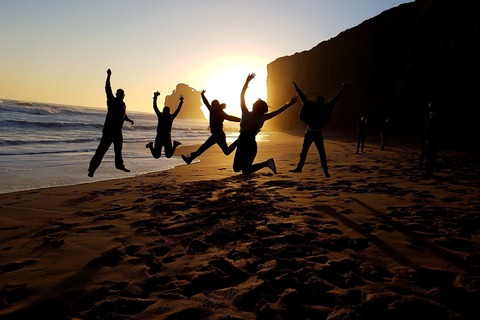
x=255, y=167
x=204, y=147
x=231, y=147
x=221, y=140
x=156, y=149
x=246, y=152
x=169, y=147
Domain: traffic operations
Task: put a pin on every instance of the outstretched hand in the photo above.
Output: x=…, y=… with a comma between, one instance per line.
x=181, y=97
x=109, y=72
x=293, y=100
x=250, y=76
x=131, y=121
x=156, y=94
x=203, y=92
x=294, y=84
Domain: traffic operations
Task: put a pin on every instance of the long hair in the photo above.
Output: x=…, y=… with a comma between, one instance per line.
x=260, y=107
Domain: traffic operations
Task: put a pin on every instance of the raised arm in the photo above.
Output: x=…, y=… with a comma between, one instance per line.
x=337, y=96
x=231, y=118
x=179, y=106
x=282, y=108
x=155, y=96
x=205, y=101
x=242, y=95
x=302, y=96
x=108, y=87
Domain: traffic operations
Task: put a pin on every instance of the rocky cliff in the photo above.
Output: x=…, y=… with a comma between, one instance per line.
x=394, y=64
x=191, y=107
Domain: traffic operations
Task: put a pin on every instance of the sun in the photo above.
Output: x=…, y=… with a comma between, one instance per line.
x=226, y=86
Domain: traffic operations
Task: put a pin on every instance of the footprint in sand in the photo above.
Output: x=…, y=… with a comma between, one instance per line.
x=10, y=294
x=14, y=266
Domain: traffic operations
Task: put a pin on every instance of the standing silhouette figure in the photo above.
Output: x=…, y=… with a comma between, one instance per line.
x=385, y=130
x=315, y=114
x=164, y=129
x=112, y=129
x=217, y=116
x=431, y=139
x=250, y=125
x=361, y=133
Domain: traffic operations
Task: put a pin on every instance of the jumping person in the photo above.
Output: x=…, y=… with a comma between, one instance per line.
x=315, y=114
x=361, y=133
x=112, y=129
x=164, y=129
x=250, y=125
x=217, y=116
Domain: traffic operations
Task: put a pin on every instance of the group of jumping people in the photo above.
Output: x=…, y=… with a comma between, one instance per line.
x=314, y=113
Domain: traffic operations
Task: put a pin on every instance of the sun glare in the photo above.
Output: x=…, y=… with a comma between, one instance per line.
x=226, y=84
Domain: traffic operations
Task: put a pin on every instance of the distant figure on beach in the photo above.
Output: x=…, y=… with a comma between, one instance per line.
x=315, y=114
x=217, y=116
x=431, y=139
x=361, y=133
x=385, y=130
x=164, y=129
x=112, y=129
x=250, y=125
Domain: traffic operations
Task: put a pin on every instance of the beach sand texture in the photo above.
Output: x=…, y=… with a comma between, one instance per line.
x=374, y=241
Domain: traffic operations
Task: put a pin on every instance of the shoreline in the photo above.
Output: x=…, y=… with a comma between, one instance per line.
x=108, y=173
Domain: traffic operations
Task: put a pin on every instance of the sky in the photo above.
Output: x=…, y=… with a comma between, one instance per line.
x=58, y=51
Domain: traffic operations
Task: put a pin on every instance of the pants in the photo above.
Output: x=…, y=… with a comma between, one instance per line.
x=246, y=153
x=216, y=138
x=361, y=140
x=384, y=137
x=431, y=148
x=317, y=138
x=107, y=139
x=163, y=139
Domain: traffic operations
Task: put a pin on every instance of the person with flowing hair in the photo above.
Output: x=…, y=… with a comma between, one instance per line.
x=250, y=125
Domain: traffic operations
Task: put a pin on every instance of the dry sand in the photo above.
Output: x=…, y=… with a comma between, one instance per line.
x=374, y=241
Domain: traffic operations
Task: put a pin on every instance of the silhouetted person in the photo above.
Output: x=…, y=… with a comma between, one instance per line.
x=431, y=138
x=315, y=114
x=422, y=152
x=112, y=129
x=164, y=129
x=385, y=130
x=361, y=133
x=217, y=116
x=250, y=125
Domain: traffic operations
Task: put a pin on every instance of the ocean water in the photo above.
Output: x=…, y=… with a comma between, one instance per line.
x=44, y=145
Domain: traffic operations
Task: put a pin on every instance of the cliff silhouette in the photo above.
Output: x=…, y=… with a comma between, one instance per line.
x=191, y=108
x=394, y=64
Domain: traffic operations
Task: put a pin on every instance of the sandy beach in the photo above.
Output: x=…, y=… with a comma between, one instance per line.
x=374, y=241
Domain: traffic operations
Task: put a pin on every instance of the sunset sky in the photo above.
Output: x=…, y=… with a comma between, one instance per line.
x=58, y=51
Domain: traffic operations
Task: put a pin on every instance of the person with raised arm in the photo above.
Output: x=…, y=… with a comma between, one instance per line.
x=315, y=114
x=164, y=129
x=250, y=125
x=112, y=129
x=217, y=116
